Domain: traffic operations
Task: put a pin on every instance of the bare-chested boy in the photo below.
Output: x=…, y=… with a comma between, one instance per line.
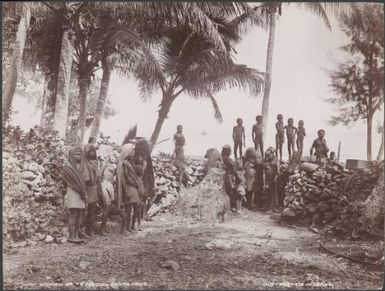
x=290, y=134
x=179, y=154
x=257, y=135
x=280, y=136
x=300, y=136
x=238, y=134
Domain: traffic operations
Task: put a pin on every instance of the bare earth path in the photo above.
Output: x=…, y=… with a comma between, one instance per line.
x=248, y=252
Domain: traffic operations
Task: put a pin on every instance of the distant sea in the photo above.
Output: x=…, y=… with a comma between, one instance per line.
x=353, y=144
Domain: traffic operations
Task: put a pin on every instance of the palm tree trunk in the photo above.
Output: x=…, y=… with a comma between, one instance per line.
x=380, y=154
x=63, y=83
x=102, y=99
x=46, y=119
x=44, y=104
x=268, y=77
x=369, y=126
x=14, y=68
x=83, y=94
x=164, y=110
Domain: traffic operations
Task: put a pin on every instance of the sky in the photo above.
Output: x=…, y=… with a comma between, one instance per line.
x=304, y=49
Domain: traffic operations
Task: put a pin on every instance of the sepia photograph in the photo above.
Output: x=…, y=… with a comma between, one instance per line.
x=155, y=145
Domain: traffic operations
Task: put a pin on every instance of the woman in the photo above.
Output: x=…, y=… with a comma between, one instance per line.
x=143, y=158
x=108, y=193
x=93, y=185
x=76, y=193
x=251, y=172
x=271, y=172
x=127, y=184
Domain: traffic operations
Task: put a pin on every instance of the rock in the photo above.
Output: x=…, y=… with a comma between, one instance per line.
x=62, y=240
x=28, y=175
x=34, y=269
x=49, y=239
x=40, y=236
x=189, y=171
x=220, y=244
x=84, y=265
x=288, y=212
x=161, y=181
x=172, y=265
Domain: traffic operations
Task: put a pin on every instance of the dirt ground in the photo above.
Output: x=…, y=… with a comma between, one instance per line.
x=249, y=252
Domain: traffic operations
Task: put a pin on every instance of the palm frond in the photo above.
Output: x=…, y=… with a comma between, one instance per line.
x=158, y=15
x=217, y=112
x=139, y=62
x=42, y=52
x=226, y=8
x=239, y=76
x=255, y=17
x=315, y=7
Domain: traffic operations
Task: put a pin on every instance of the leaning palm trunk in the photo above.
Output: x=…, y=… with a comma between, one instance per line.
x=268, y=77
x=164, y=110
x=102, y=99
x=14, y=68
x=380, y=154
x=63, y=83
x=44, y=104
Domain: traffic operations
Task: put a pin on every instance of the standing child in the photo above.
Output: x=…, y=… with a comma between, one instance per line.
x=280, y=136
x=290, y=134
x=229, y=167
x=76, y=193
x=251, y=172
x=320, y=147
x=300, y=136
x=240, y=185
x=179, y=138
x=271, y=173
x=238, y=133
x=178, y=154
x=257, y=134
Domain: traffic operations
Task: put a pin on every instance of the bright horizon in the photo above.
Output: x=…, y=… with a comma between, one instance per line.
x=304, y=48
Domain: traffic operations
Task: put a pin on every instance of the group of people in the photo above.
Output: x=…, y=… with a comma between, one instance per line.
x=255, y=177
x=89, y=182
x=294, y=135
x=252, y=180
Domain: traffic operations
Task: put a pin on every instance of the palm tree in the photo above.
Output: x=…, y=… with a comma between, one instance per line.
x=272, y=10
x=155, y=18
x=57, y=60
x=67, y=14
x=191, y=63
x=17, y=54
x=117, y=46
x=51, y=45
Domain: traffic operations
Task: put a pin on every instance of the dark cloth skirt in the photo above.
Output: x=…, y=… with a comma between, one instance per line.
x=131, y=195
x=92, y=193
